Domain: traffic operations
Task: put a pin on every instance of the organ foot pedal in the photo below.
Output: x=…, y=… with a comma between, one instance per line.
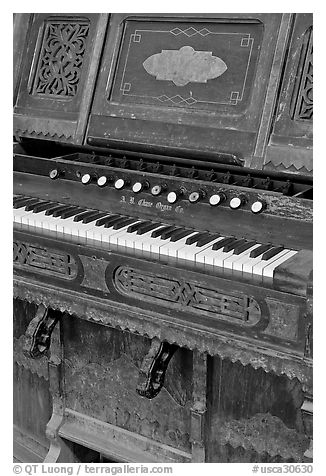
x=154, y=366
x=39, y=330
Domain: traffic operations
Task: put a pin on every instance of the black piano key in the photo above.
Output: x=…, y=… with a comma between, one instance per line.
x=260, y=250
x=244, y=247
x=135, y=226
x=25, y=201
x=70, y=213
x=225, y=241
x=51, y=209
x=157, y=233
x=58, y=211
x=41, y=207
x=147, y=227
x=84, y=214
x=31, y=206
x=165, y=235
x=273, y=252
x=178, y=235
x=207, y=239
x=94, y=216
x=110, y=223
x=108, y=219
x=123, y=223
x=194, y=238
x=18, y=197
x=232, y=245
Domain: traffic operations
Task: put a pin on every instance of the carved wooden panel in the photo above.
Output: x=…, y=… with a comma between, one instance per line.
x=44, y=260
x=290, y=144
x=61, y=58
x=152, y=287
x=58, y=75
x=302, y=103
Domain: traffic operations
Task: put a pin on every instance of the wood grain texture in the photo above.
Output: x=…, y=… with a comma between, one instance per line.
x=32, y=403
x=53, y=104
x=253, y=416
x=101, y=373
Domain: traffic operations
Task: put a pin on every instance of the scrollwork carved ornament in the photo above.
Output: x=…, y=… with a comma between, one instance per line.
x=61, y=58
x=129, y=319
x=38, y=333
x=302, y=100
x=153, y=368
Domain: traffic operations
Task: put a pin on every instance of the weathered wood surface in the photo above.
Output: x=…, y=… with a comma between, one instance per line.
x=32, y=404
x=53, y=104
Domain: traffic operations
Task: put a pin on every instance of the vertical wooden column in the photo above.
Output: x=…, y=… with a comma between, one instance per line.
x=60, y=450
x=199, y=407
x=307, y=417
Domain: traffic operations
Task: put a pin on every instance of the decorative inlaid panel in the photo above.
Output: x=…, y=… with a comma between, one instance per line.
x=185, y=66
x=209, y=301
x=302, y=103
x=61, y=58
x=44, y=260
x=200, y=65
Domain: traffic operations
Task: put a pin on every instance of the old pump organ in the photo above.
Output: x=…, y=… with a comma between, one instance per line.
x=163, y=237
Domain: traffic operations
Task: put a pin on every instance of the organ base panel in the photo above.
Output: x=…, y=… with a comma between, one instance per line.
x=162, y=248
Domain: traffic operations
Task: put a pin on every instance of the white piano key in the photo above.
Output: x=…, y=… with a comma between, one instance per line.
x=243, y=258
x=268, y=271
x=18, y=214
x=259, y=267
x=156, y=244
x=140, y=242
x=172, y=247
x=190, y=252
x=219, y=257
x=248, y=265
x=116, y=237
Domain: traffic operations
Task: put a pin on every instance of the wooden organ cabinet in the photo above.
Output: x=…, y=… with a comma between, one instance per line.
x=163, y=237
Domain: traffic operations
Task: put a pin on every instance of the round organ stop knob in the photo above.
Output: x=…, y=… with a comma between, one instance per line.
x=139, y=186
x=258, y=206
x=102, y=181
x=86, y=178
x=119, y=183
x=236, y=202
x=194, y=197
x=158, y=189
x=217, y=199
x=54, y=174
x=173, y=196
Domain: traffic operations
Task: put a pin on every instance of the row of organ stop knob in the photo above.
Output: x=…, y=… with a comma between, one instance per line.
x=173, y=196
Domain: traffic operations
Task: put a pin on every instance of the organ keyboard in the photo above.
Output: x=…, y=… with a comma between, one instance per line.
x=148, y=239
x=163, y=190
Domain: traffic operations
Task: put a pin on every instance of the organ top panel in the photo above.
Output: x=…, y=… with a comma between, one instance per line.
x=189, y=83
x=58, y=75
x=229, y=88
x=294, y=114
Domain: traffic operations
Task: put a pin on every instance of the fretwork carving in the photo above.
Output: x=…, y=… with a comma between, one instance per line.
x=152, y=372
x=61, y=58
x=302, y=101
x=44, y=260
x=209, y=301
